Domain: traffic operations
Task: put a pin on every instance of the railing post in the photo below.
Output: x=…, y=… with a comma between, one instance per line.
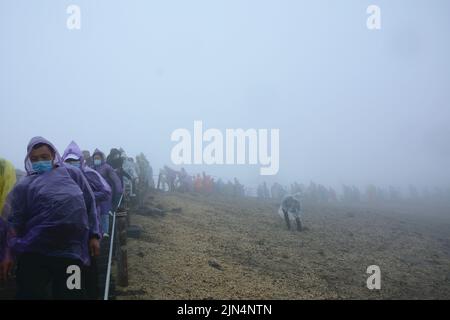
x=122, y=267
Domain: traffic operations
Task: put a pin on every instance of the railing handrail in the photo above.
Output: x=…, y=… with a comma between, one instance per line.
x=108, y=272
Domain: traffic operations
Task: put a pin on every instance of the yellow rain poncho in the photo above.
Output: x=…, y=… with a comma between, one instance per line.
x=7, y=180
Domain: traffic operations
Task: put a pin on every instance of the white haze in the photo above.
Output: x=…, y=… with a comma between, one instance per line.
x=353, y=106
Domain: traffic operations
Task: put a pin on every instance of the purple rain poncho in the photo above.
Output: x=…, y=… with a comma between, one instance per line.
x=52, y=213
x=99, y=186
x=110, y=175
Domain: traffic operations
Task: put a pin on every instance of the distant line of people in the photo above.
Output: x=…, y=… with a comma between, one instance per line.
x=173, y=180
x=352, y=194
x=55, y=216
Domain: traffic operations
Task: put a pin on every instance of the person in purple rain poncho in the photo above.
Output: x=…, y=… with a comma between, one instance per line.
x=52, y=226
x=100, y=187
x=102, y=191
x=108, y=173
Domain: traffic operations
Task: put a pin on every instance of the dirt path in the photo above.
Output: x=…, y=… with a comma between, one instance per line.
x=219, y=248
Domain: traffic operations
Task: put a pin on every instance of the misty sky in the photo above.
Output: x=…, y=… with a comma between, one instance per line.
x=353, y=106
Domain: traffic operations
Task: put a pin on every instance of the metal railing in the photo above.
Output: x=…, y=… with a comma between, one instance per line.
x=111, y=245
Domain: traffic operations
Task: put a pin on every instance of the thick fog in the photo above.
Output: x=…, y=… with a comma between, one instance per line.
x=352, y=105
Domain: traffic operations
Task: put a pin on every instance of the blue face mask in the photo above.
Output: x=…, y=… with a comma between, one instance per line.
x=42, y=166
x=75, y=164
x=97, y=162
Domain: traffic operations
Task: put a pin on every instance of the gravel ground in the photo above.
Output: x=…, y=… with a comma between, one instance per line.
x=226, y=248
